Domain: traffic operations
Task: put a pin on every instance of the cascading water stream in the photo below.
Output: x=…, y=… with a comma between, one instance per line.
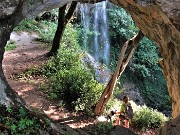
x=85, y=21
x=100, y=42
x=104, y=34
x=95, y=38
x=96, y=33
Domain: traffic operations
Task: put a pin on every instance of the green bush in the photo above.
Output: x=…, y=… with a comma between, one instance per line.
x=69, y=79
x=28, y=25
x=120, y=23
x=147, y=75
x=47, y=33
x=146, y=117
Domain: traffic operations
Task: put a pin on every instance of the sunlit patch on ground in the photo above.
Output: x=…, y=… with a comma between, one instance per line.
x=55, y=113
x=71, y=119
x=26, y=88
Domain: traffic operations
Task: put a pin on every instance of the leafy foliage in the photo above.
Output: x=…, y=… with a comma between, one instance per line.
x=28, y=25
x=121, y=28
x=10, y=46
x=19, y=121
x=146, y=58
x=69, y=79
x=45, y=29
x=47, y=33
x=120, y=22
x=144, y=69
x=148, y=76
x=146, y=117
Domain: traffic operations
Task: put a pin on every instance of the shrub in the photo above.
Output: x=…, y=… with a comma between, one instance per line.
x=146, y=117
x=72, y=82
x=47, y=33
x=69, y=79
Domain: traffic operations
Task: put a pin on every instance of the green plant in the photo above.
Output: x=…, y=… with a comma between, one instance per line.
x=9, y=109
x=47, y=34
x=24, y=123
x=10, y=46
x=19, y=121
x=28, y=25
x=45, y=29
x=22, y=112
x=146, y=117
x=144, y=69
x=147, y=75
x=104, y=127
x=69, y=79
x=120, y=22
x=53, y=95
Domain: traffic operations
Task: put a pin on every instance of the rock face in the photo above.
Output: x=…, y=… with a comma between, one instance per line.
x=157, y=19
x=170, y=128
x=7, y=8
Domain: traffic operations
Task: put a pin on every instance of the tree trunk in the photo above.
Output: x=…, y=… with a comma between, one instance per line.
x=124, y=58
x=62, y=22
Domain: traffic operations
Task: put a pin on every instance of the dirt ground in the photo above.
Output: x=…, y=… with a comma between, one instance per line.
x=30, y=53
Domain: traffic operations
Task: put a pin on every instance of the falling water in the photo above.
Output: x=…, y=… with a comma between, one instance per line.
x=96, y=32
x=85, y=20
x=95, y=38
x=100, y=39
x=104, y=34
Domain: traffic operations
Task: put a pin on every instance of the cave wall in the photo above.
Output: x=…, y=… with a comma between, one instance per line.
x=159, y=21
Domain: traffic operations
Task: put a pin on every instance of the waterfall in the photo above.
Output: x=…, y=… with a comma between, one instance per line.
x=85, y=21
x=96, y=32
x=94, y=18
x=104, y=34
